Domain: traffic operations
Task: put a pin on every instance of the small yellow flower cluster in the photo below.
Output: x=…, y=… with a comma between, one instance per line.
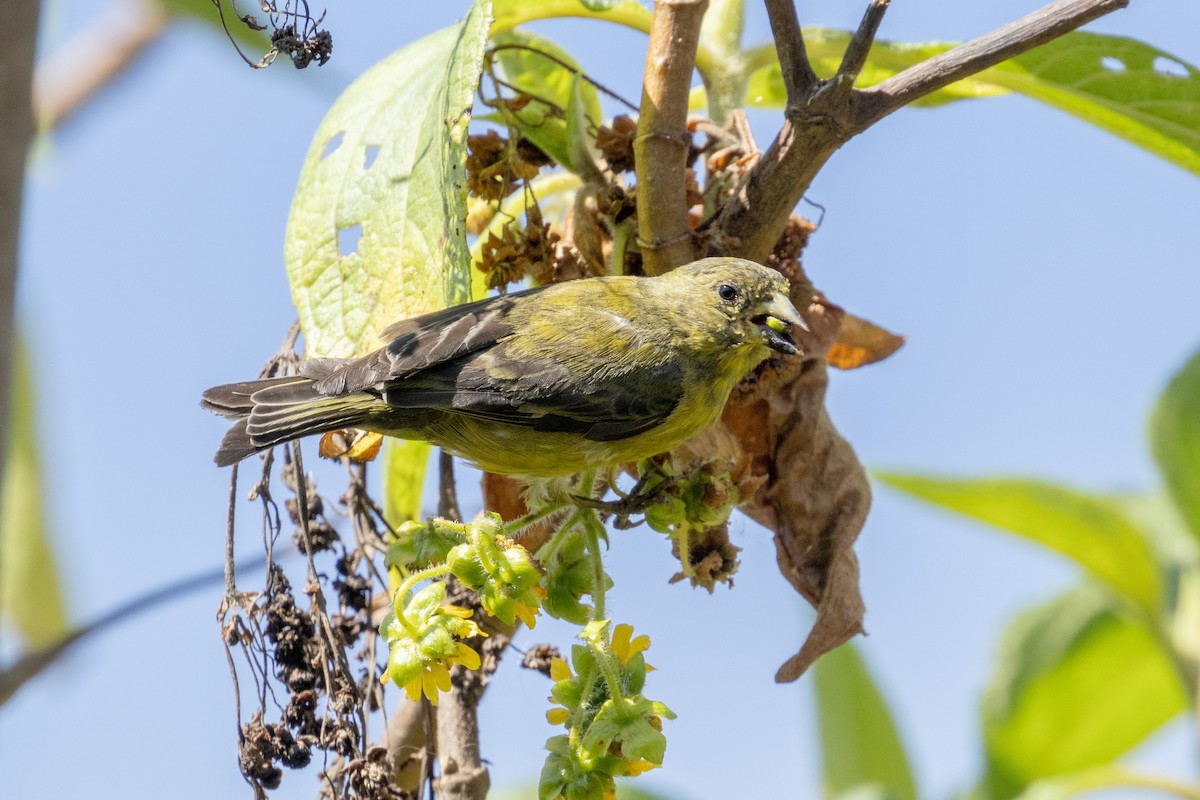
x=612, y=730
x=499, y=570
x=425, y=640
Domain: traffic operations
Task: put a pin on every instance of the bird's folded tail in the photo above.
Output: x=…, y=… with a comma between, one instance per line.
x=275, y=410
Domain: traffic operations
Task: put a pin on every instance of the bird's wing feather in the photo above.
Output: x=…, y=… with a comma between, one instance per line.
x=609, y=404
x=424, y=342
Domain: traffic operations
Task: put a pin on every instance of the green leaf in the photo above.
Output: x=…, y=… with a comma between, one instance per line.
x=404, y=465
x=543, y=79
x=1077, y=684
x=1175, y=441
x=624, y=792
x=1095, y=532
x=860, y=747
x=1106, y=777
x=31, y=597
x=629, y=13
x=1137, y=92
x=376, y=232
x=581, y=142
x=1140, y=93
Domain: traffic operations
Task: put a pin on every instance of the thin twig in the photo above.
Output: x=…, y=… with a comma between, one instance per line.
x=799, y=80
x=662, y=142
x=1010, y=40
x=230, y=568
x=428, y=749
x=859, y=48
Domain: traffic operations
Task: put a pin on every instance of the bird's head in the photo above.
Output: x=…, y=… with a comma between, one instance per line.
x=747, y=302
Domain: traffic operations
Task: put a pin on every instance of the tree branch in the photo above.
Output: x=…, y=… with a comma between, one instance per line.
x=859, y=48
x=662, y=142
x=463, y=774
x=94, y=57
x=29, y=665
x=798, y=77
x=816, y=124
x=1004, y=43
x=19, y=42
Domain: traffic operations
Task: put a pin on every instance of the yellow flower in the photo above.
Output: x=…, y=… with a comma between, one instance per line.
x=638, y=766
x=557, y=716
x=623, y=646
x=436, y=676
x=527, y=614
x=460, y=612
x=559, y=669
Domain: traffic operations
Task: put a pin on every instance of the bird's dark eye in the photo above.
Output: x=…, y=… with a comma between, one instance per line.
x=727, y=292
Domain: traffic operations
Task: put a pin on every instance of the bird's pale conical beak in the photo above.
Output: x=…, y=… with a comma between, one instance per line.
x=775, y=319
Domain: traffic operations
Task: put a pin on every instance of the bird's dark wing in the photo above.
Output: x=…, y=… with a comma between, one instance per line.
x=421, y=343
x=610, y=403
x=457, y=359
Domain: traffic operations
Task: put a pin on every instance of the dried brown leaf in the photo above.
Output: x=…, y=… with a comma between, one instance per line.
x=861, y=342
x=616, y=144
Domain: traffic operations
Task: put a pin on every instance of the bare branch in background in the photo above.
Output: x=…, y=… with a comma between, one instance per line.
x=93, y=58
x=662, y=143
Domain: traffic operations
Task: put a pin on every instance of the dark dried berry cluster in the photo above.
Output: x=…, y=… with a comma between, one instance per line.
x=303, y=48
x=370, y=777
x=291, y=630
x=616, y=144
x=519, y=252
x=496, y=166
x=713, y=557
x=264, y=745
x=321, y=535
x=539, y=656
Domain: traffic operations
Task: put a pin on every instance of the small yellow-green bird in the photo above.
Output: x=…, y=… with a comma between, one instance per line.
x=540, y=383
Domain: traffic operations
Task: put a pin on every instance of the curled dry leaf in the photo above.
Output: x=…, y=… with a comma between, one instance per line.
x=860, y=342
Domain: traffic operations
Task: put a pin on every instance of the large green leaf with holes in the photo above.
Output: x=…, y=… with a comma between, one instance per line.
x=376, y=231
x=377, y=228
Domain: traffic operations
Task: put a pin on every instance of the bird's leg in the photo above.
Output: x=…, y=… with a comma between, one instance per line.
x=644, y=493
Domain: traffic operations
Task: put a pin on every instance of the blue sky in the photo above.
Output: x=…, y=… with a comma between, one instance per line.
x=1044, y=272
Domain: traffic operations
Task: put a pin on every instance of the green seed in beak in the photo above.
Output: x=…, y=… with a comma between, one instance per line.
x=777, y=325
